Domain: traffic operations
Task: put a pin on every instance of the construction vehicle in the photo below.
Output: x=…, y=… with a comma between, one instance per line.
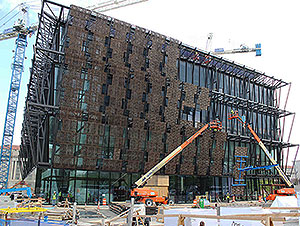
x=274, y=190
x=288, y=189
x=149, y=196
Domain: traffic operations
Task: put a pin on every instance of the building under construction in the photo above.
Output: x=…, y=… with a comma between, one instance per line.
x=107, y=100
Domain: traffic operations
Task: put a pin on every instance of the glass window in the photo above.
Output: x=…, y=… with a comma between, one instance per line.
x=84, y=106
x=187, y=113
x=196, y=75
x=208, y=78
x=226, y=82
x=256, y=94
x=259, y=126
x=86, y=85
x=83, y=139
x=80, y=189
x=250, y=91
x=221, y=82
x=232, y=85
x=84, y=73
x=202, y=76
x=264, y=95
x=182, y=66
x=237, y=87
x=197, y=113
x=189, y=73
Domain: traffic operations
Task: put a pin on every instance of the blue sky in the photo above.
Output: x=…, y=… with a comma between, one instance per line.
x=272, y=23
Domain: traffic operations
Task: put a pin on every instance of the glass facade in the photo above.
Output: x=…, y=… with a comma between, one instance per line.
x=92, y=186
x=264, y=123
x=89, y=187
x=238, y=88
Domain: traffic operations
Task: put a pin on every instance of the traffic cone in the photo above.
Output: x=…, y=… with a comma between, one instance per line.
x=104, y=202
x=195, y=203
x=260, y=199
x=233, y=198
x=98, y=205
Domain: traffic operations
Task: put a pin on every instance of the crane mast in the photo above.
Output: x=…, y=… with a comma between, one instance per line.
x=11, y=111
x=21, y=31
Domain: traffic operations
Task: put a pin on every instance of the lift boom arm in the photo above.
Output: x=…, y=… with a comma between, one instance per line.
x=263, y=147
x=214, y=125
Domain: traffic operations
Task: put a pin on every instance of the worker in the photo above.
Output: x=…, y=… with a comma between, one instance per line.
x=227, y=197
x=232, y=111
x=89, y=197
x=265, y=196
x=59, y=197
x=202, y=223
x=54, y=199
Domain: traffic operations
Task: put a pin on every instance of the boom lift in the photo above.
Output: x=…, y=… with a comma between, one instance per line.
x=149, y=196
x=235, y=115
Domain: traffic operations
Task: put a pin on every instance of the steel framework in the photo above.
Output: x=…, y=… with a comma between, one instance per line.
x=40, y=104
x=222, y=103
x=11, y=111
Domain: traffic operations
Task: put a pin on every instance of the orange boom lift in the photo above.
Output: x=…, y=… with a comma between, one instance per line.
x=289, y=190
x=148, y=196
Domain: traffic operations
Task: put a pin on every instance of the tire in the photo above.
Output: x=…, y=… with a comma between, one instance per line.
x=170, y=202
x=149, y=202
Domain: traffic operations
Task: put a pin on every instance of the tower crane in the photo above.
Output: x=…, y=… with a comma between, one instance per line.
x=21, y=31
x=107, y=5
x=242, y=49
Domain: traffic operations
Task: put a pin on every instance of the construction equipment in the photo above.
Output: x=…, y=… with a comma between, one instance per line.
x=277, y=190
x=240, y=159
x=235, y=115
x=107, y=5
x=22, y=183
x=243, y=49
x=149, y=196
x=13, y=190
x=21, y=31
